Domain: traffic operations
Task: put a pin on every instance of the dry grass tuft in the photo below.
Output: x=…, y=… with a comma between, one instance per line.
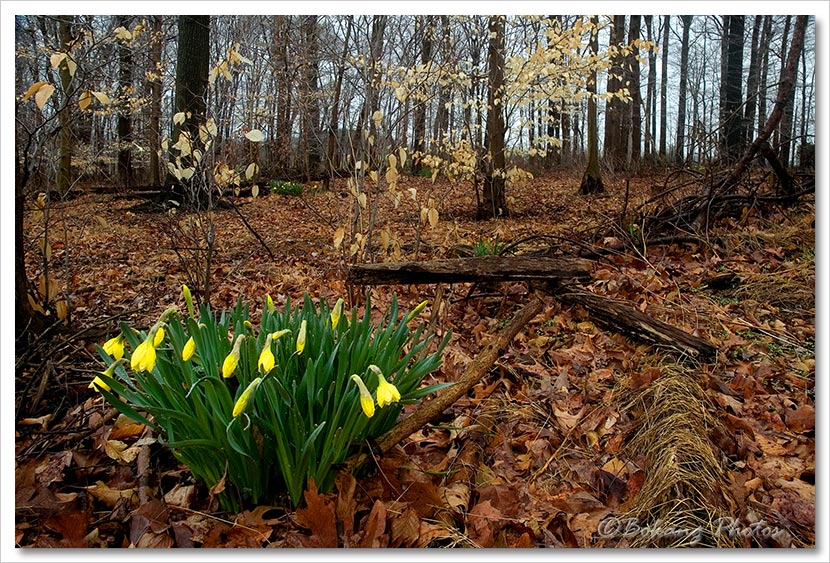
x=685, y=490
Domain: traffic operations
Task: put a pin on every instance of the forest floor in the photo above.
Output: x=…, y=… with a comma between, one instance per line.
x=542, y=452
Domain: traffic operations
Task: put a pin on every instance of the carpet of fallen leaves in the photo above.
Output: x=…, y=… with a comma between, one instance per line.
x=534, y=456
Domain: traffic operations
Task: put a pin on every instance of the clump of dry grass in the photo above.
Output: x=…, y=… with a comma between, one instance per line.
x=685, y=491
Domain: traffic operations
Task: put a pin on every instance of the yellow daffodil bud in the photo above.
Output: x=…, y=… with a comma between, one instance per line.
x=144, y=356
x=336, y=313
x=115, y=347
x=269, y=303
x=279, y=334
x=188, y=299
x=266, y=357
x=247, y=324
x=159, y=337
x=245, y=397
x=366, y=402
x=386, y=392
x=414, y=313
x=301, y=337
x=99, y=383
x=232, y=360
x=189, y=349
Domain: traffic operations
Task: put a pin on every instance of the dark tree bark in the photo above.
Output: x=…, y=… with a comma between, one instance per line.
x=331, y=149
x=282, y=28
x=592, y=178
x=154, y=129
x=664, y=68
x=192, y=63
x=494, y=201
x=753, y=79
x=679, y=148
x=786, y=126
x=442, y=113
x=616, y=137
x=732, y=131
x=424, y=29
x=633, y=73
x=776, y=139
x=766, y=37
x=124, y=124
x=64, y=179
x=310, y=146
x=786, y=85
x=651, y=94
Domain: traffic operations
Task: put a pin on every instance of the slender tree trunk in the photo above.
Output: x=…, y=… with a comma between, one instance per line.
x=651, y=91
x=125, y=123
x=732, y=134
x=752, y=80
x=664, y=68
x=282, y=26
x=616, y=137
x=310, y=116
x=154, y=129
x=494, y=202
x=786, y=84
x=64, y=179
x=335, y=107
x=679, y=155
x=633, y=72
x=776, y=139
x=192, y=64
x=766, y=38
x=442, y=114
x=423, y=28
x=786, y=126
x=592, y=178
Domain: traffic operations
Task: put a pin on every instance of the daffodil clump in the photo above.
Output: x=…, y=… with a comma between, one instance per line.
x=268, y=407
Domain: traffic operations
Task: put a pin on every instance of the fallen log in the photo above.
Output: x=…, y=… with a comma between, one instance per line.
x=627, y=320
x=472, y=375
x=479, y=269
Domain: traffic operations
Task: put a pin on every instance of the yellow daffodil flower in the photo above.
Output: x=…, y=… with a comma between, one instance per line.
x=269, y=303
x=232, y=360
x=266, y=357
x=386, y=392
x=336, y=313
x=366, y=402
x=243, y=399
x=115, y=347
x=414, y=313
x=188, y=299
x=159, y=337
x=301, y=337
x=189, y=349
x=279, y=334
x=99, y=383
x=144, y=356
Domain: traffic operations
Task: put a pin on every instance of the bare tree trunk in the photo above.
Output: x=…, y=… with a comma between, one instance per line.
x=633, y=72
x=592, y=179
x=766, y=37
x=154, y=129
x=64, y=178
x=442, y=114
x=616, y=138
x=310, y=109
x=732, y=134
x=651, y=91
x=679, y=155
x=424, y=29
x=752, y=80
x=786, y=85
x=785, y=128
x=663, y=84
x=335, y=107
x=125, y=123
x=494, y=202
x=283, y=133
